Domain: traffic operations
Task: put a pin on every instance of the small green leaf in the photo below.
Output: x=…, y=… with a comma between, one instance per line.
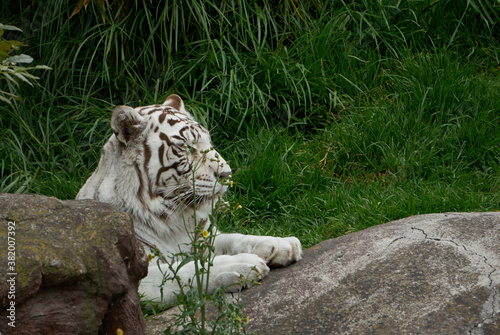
x=5, y=46
x=11, y=95
x=5, y=99
x=41, y=67
x=23, y=78
x=26, y=59
x=15, y=45
x=8, y=46
x=9, y=77
x=7, y=27
x=27, y=75
x=3, y=55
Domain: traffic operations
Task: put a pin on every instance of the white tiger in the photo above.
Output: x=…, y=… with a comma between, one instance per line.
x=146, y=170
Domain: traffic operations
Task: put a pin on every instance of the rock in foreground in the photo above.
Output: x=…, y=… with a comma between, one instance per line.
x=77, y=268
x=426, y=274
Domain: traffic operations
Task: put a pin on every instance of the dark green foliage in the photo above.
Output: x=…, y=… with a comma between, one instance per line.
x=335, y=115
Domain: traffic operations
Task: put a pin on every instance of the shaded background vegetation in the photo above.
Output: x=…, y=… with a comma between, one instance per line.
x=335, y=115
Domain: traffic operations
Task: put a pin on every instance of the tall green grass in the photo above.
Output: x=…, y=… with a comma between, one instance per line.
x=335, y=116
x=431, y=145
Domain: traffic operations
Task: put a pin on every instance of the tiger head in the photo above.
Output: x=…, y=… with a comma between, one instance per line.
x=159, y=166
x=171, y=152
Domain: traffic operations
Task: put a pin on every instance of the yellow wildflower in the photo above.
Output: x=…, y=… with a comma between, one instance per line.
x=150, y=257
x=205, y=234
x=119, y=331
x=247, y=319
x=230, y=183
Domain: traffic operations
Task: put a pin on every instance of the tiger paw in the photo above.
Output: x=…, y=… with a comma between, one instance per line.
x=237, y=271
x=276, y=251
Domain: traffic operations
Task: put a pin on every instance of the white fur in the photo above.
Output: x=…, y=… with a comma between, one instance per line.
x=157, y=219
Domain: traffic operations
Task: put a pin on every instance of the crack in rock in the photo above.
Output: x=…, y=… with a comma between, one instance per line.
x=436, y=239
x=476, y=329
x=395, y=240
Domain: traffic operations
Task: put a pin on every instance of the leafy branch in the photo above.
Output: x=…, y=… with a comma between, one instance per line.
x=9, y=70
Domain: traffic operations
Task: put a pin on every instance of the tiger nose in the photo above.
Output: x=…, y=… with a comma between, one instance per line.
x=225, y=175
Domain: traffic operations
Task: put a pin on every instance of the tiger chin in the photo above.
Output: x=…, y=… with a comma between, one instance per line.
x=146, y=170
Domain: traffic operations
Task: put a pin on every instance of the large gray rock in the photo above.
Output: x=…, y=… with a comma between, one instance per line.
x=77, y=267
x=427, y=274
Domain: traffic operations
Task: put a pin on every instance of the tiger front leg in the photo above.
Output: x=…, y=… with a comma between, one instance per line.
x=276, y=251
x=231, y=271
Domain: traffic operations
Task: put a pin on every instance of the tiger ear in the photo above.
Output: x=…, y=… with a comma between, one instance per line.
x=125, y=123
x=176, y=102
